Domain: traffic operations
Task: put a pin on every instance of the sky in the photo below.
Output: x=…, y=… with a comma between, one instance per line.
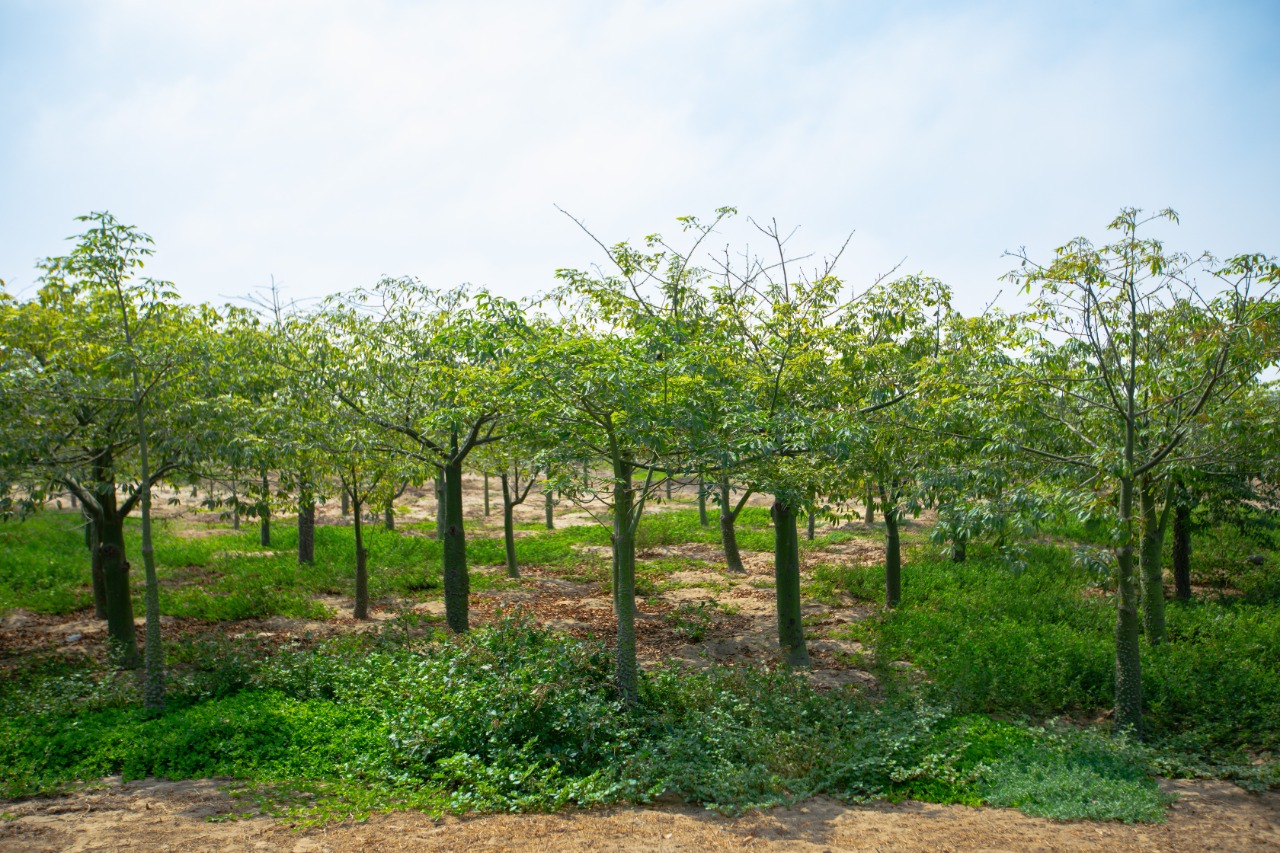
x=324, y=144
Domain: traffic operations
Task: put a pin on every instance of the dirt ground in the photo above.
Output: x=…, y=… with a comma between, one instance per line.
x=183, y=816
x=699, y=615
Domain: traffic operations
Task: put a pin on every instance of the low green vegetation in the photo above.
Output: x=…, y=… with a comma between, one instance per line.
x=1039, y=643
x=994, y=683
x=512, y=717
x=222, y=574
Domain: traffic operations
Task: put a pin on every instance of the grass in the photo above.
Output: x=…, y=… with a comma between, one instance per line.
x=228, y=575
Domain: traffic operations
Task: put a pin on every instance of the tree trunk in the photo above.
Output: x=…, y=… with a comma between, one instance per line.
x=869, y=516
x=509, y=527
x=153, y=685
x=235, y=508
x=389, y=515
x=95, y=567
x=551, y=504
x=362, y=563
x=614, y=582
x=1128, y=711
x=264, y=513
x=786, y=572
x=892, y=552
x=457, y=583
x=810, y=532
x=702, y=502
x=346, y=504
x=486, y=495
x=115, y=568
x=441, y=522
x=1182, y=550
x=624, y=551
x=728, y=532
x=307, y=530
x=1151, y=559
x=668, y=485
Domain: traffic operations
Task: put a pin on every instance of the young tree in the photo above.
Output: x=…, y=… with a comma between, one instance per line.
x=1123, y=389
x=135, y=329
x=787, y=335
x=517, y=476
x=613, y=379
x=429, y=370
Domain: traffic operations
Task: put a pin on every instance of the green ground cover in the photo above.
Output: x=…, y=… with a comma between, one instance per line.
x=994, y=686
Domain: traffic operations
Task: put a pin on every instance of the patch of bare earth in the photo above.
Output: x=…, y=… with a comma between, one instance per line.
x=416, y=505
x=182, y=816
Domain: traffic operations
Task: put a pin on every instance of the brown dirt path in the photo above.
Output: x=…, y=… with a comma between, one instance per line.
x=158, y=815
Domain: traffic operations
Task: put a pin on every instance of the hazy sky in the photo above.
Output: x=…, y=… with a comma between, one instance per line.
x=328, y=143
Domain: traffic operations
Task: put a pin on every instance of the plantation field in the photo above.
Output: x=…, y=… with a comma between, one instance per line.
x=989, y=686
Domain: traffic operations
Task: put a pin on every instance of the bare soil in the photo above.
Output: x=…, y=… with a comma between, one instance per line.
x=192, y=816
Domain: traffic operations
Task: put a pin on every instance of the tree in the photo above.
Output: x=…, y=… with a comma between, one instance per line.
x=428, y=369
x=1124, y=388
x=1229, y=471
x=517, y=477
x=615, y=378
x=791, y=339
x=135, y=326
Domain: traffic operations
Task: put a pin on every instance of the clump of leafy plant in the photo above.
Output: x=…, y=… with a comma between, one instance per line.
x=692, y=621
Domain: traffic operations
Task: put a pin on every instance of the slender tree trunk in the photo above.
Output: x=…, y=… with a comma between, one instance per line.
x=1151, y=561
x=668, y=485
x=95, y=567
x=509, y=527
x=486, y=495
x=870, y=515
x=389, y=515
x=1182, y=550
x=702, y=502
x=307, y=529
x=551, y=505
x=786, y=570
x=154, y=685
x=1128, y=713
x=615, y=582
x=264, y=513
x=728, y=530
x=624, y=550
x=457, y=583
x=235, y=507
x=1128, y=710
x=809, y=534
x=892, y=552
x=346, y=504
x=362, y=562
x=441, y=512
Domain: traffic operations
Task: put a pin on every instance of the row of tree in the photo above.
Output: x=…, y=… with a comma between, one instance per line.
x=1128, y=390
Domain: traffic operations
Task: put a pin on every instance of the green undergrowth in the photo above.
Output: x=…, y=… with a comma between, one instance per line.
x=515, y=718
x=219, y=574
x=1039, y=643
